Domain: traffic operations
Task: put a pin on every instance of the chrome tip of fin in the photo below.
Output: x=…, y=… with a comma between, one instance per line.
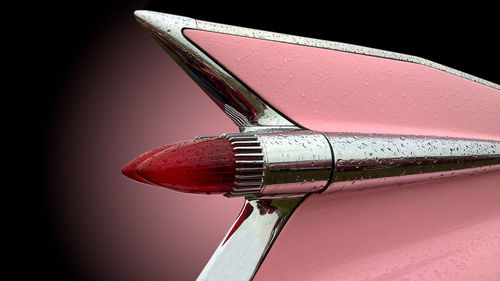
x=240, y=103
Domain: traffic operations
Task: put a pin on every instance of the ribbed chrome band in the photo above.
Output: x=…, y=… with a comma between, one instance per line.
x=249, y=159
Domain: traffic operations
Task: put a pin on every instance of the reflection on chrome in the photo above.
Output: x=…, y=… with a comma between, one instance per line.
x=277, y=163
x=241, y=104
x=302, y=161
x=296, y=163
x=243, y=249
x=363, y=161
x=287, y=160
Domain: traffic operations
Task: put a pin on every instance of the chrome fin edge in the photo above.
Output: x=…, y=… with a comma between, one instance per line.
x=247, y=243
x=242, y=105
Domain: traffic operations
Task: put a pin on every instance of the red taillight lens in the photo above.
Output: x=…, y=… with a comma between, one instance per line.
x=202, y=166
x=130, y=170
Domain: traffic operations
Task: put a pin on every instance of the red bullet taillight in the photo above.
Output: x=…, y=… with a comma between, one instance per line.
x=130, y=170
x=201, y=166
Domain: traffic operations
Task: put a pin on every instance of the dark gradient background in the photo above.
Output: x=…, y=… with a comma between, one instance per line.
x=95, y=91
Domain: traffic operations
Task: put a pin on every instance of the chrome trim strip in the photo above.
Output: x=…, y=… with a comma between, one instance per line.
x=286, y=163
x=239, y=102
x=248, y=154
x=249, y=159
x=295, y=162
x=289, y=162
x=248, y=148
x=257, y=176
x=247, y=142
x=331, y=45
x=247, y=184
x=250, y=169
x=241, y=252
x=365, y=161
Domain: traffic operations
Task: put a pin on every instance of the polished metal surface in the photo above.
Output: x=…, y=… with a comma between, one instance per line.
x=295, y=162
x=287, y=163
x=277, y=161
x=249, y=159
x=241, y=104
x=284, y=158
x=271, y=162
x=246, y=244
x=344, y=47
x=363, y=161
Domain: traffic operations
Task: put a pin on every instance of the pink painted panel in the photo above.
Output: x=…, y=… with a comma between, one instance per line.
x=328, y=90
x=447, y=230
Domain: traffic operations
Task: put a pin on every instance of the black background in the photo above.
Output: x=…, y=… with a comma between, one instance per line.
x=45, y=39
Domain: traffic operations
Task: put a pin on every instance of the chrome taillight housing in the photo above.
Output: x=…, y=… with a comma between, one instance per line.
x=298, y=162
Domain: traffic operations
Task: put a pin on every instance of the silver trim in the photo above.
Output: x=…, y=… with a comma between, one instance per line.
x=366, y=161
x=249, y=159
x=287, y=163
x=295, y=162
x=239, y=102
x=280, y=163
x=292, y=163
x=241, y=252
x=331, y=45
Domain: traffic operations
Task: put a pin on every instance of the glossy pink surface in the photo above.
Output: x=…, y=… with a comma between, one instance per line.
x=328, y=90
x=447, y=230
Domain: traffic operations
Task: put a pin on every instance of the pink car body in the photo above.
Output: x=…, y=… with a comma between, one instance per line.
x=423, y=226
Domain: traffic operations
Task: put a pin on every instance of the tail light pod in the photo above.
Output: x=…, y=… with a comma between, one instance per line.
x=300, y=162
x=200, y=166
